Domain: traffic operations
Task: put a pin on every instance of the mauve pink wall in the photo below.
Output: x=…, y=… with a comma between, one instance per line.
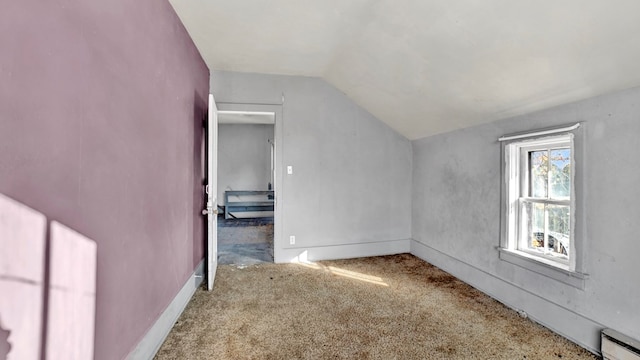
x=101, y=104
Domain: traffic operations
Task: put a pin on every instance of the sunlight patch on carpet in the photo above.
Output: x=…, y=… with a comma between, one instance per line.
x=302, y=261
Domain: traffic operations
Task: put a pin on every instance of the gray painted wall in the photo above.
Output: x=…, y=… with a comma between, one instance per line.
x=456, y=216
x=244, y=157
x=350, y=192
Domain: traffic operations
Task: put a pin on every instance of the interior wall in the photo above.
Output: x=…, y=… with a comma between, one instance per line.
x=101, y=110
x=244, y=157
x=350, y=191
x=456, y=216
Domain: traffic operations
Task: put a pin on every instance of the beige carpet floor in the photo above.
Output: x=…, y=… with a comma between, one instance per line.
x=390, y=307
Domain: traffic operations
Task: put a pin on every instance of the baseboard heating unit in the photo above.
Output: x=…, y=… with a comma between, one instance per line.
x=616, y=346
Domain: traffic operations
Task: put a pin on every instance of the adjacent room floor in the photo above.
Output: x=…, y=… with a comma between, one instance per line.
x=390, y=307
x=245, y=241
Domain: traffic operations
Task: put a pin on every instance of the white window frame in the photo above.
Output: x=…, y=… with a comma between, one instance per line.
x=515, y=171
x=518, y=168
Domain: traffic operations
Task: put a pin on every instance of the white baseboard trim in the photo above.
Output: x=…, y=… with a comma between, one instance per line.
x=571, y=325
x=344, y=251
x=153, y=339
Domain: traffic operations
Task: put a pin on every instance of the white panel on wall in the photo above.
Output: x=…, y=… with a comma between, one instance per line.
x=22, y=244
x=72, y=295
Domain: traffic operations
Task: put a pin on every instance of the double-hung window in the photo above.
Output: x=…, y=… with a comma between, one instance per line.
x=540, y=198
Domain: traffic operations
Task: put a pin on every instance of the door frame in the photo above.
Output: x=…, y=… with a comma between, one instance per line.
x=278, y=129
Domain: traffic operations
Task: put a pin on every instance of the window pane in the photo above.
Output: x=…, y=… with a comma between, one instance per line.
x=532, y=235
x=560, y=173
x=559, y=225
x=538, y=171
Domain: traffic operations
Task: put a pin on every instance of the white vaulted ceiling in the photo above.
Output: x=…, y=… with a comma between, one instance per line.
x=429, y=66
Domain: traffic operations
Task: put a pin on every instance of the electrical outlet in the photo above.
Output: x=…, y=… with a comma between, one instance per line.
x=292, y=240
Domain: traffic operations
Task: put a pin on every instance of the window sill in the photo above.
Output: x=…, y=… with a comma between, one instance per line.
x=532, y=263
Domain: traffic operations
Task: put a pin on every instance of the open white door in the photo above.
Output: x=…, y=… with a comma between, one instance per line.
x=212, y=192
